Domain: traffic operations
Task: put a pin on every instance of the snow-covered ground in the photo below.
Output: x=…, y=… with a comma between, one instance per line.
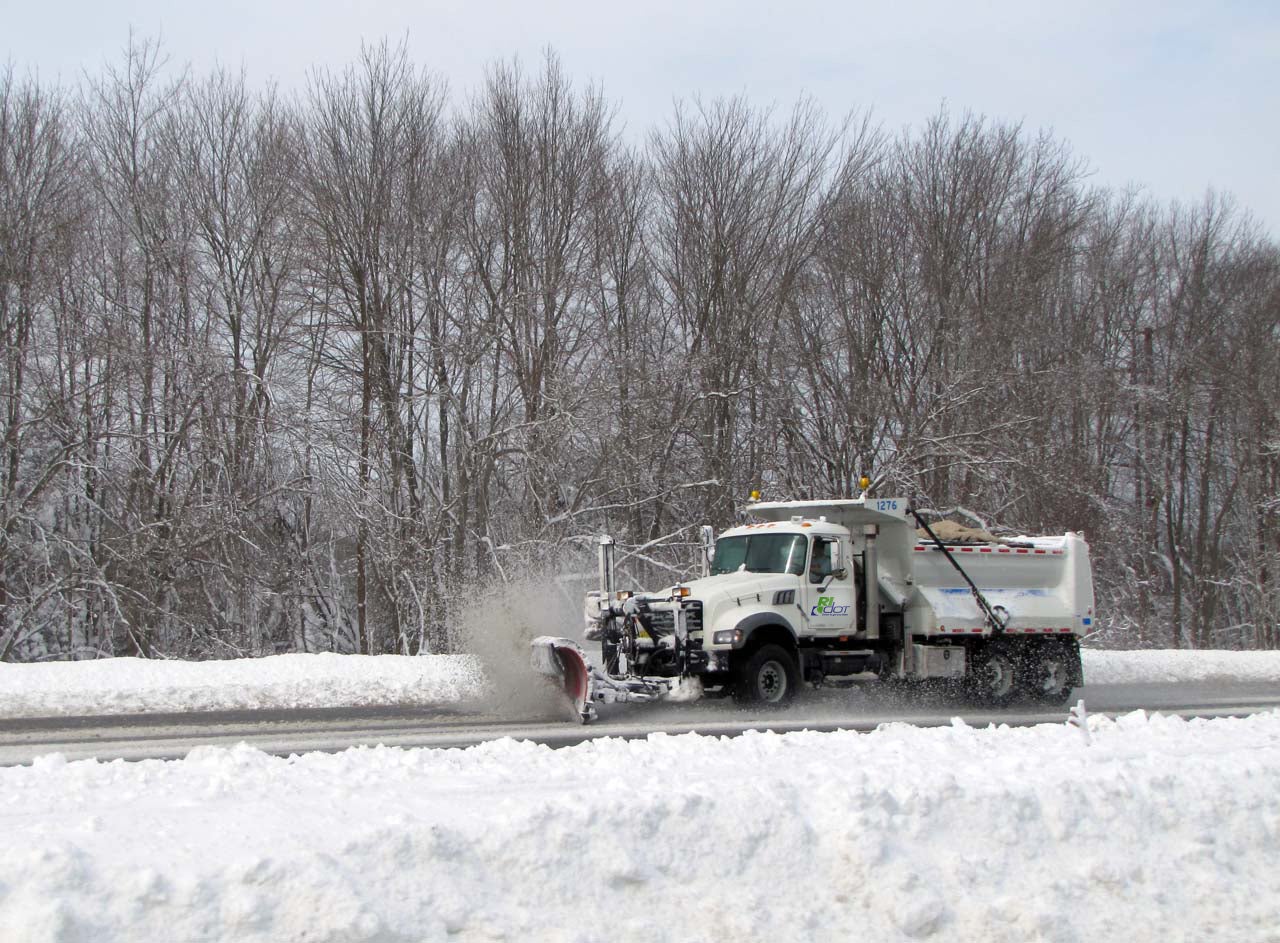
x=133, y=685
x=1164, y=665
x=1148, y=828
x=140, y=685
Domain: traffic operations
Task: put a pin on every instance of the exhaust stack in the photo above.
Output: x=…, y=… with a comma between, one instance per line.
x=708, y=548
x=606, y=567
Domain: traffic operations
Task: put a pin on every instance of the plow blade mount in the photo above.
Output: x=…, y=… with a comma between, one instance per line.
x=562, y=660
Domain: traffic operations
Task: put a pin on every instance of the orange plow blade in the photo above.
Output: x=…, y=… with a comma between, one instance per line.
x=562, y=660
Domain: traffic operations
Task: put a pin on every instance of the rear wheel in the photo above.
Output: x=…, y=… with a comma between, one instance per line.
x=996, y=675
x=769, y=677
x=1053, y=670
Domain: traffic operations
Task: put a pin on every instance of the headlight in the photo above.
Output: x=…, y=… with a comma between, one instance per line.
x=728, y=637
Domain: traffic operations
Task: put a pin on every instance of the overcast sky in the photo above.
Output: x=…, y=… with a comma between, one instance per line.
x=1175, y=97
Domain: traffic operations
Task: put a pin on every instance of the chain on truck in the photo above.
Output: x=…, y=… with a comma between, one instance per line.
x=838, y=592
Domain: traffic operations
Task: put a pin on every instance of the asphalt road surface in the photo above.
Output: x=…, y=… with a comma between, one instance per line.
x=168, y=736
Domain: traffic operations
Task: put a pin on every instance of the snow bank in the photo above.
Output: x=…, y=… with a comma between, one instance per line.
x=1103, y=667
x=140, y=685
x=1152, y=828
x=133, y=685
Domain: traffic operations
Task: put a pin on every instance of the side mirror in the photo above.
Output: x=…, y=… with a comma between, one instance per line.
x=840, y=574
x=835, y=556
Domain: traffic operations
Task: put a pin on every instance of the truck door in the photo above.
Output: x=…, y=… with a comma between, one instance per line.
x=828, y=589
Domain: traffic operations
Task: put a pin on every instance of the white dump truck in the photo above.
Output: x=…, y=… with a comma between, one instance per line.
x=833, y=592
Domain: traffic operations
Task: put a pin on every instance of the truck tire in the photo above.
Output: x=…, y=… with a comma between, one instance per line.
x=1053, y=670
x=768, y=678
x=997, y=675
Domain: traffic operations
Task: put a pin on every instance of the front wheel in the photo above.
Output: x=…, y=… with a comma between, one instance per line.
x=769, y=677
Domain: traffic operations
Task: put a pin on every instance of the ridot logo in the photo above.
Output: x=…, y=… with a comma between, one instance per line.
x=827, y=607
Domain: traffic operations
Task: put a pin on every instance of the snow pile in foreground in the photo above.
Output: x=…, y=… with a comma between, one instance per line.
x=134, y=685
x=140, y=685
x=1166, y=665
x=1150, y=828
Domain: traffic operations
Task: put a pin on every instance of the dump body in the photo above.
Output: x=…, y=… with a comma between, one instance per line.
x=1043, y=583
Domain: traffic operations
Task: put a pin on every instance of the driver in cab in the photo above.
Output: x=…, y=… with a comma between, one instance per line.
x=820, y=563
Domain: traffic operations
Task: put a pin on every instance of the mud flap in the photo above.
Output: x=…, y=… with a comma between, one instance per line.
x=562, y=660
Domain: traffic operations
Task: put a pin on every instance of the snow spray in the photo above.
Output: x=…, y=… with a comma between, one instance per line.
x=496, y=619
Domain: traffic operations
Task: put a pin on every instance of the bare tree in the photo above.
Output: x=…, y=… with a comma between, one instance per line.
x=39, y=211
x=233, y=152
x=538, y=152
x=372, y=136
x=738, y=201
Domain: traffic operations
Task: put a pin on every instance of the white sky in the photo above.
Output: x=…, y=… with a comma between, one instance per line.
x=1173, y=96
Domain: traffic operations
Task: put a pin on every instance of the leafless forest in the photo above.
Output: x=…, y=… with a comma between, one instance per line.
x=299, y=373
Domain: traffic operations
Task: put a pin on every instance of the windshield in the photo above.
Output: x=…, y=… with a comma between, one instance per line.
x=762, y=553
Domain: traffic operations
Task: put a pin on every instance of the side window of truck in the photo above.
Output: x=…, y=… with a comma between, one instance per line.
x=820, y=563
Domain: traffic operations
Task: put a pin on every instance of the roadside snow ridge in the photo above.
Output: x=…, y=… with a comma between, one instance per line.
x=1151, y=828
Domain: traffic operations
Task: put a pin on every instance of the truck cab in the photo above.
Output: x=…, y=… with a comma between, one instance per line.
x=813, y=560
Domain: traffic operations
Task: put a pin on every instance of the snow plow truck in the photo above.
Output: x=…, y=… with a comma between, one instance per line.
x=838, y=592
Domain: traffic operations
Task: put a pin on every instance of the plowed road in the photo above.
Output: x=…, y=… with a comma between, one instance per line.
x=168, y=736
